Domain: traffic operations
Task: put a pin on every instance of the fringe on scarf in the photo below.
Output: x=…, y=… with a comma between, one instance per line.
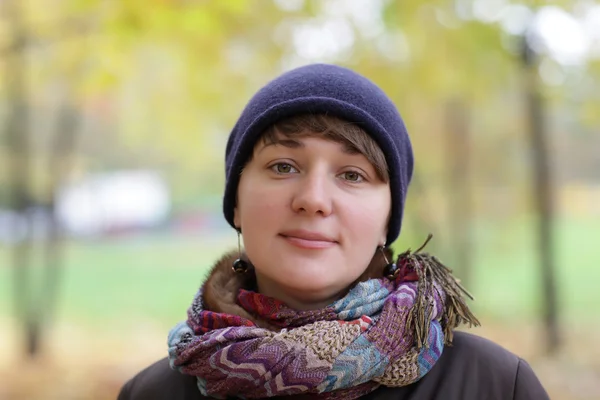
x=430, y=270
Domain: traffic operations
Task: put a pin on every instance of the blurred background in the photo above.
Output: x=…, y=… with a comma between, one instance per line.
x=113, y=121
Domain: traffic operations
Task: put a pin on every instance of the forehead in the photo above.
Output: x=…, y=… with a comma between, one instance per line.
x=297, y=140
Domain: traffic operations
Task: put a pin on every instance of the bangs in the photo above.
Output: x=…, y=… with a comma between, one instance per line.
x=354, y=139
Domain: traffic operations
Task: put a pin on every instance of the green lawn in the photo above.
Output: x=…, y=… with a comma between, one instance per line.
x=507, y=277
x=152, y=278
x=155, y=278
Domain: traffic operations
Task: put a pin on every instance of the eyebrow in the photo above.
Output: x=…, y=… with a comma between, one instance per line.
x=295, y=144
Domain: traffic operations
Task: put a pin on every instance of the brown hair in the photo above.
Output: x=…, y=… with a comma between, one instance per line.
x=331, y=128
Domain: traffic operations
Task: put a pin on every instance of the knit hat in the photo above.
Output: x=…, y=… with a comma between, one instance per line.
x=324, y=89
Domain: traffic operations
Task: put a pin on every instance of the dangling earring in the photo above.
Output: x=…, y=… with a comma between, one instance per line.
x=391, y=269
x=240, y=266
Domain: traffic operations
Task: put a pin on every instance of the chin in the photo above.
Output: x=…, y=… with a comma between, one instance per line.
x=307, y=276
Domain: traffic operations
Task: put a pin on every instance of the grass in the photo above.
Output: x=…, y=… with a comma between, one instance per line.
x=155, y=278
x=508, y=275
x=152, y=279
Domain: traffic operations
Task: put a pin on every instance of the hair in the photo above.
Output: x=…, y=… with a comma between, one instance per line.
x=331, y=128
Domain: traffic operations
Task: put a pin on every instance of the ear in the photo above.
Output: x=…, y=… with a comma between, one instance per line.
x=236, y=218
x=382, y=241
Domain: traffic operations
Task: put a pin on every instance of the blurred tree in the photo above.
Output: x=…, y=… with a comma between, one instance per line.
x=19, y=165
x=34, y=309
x=159, y=84
x=544, y=195
x=164, y=80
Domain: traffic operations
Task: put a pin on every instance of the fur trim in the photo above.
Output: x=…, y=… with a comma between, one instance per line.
x=222, y=286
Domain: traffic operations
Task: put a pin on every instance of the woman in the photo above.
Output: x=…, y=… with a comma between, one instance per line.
x=317, y=170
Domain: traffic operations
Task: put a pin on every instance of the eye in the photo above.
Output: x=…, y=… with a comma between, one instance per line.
x=283, y=168
x=352, y=176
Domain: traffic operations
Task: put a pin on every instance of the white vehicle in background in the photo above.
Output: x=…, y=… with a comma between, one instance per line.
x=113, y=202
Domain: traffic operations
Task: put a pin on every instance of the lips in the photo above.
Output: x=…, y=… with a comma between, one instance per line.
x=308, y=239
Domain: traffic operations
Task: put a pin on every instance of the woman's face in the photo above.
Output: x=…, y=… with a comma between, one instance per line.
x=312, y=214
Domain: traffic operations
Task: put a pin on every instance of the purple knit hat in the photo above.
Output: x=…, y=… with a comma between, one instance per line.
x=332, y=90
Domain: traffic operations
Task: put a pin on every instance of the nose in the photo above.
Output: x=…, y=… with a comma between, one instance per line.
x=313, y=195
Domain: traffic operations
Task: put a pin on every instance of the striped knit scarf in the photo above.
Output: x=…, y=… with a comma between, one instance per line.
x=383, y=332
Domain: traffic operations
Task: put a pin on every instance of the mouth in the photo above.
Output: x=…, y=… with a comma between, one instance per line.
x=308, y=239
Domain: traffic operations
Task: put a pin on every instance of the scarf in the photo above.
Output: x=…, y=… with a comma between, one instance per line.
x=384, y=331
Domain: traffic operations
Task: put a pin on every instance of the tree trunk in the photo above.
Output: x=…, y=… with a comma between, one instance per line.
x=62, y=151
x=459, y=189
x=543, y=195
x=20, y=174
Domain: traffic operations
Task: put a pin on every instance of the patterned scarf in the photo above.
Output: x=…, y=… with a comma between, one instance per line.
x=387, y=332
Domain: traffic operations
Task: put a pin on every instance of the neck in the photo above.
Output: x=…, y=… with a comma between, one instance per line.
x=303, y=301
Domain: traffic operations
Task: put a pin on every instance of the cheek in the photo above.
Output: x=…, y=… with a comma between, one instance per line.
x=370, y=219
x=364, y=224
x=258, y=207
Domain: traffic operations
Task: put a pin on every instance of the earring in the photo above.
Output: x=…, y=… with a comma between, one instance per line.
x=240, y=266
x=391, y=269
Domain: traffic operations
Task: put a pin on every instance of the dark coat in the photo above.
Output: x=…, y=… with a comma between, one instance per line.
x=472, y=369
